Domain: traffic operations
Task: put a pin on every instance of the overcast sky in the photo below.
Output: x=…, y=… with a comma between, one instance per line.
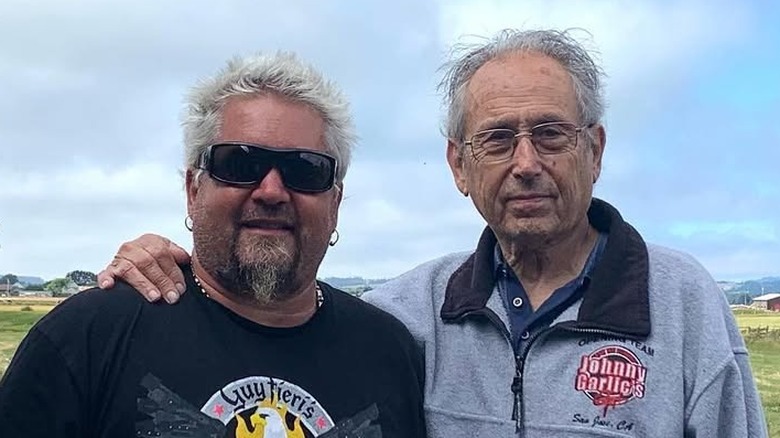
x=90, y=144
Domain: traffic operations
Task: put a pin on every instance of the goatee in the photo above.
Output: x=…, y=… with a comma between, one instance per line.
x=263, y=270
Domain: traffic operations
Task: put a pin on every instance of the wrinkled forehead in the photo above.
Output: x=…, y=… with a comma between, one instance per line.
x=272, y=120
x=521, y=87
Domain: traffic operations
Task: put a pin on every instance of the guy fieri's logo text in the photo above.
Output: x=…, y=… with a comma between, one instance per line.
x=268, y=404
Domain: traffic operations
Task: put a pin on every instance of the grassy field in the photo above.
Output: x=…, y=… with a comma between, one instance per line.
x=754, y=320
x=764, y=347
x=16, y=317
x=765, y=359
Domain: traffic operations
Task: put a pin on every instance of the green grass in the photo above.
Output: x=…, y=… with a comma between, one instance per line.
x=771, y=320
x=14, y=325
x=765, y=360
x=764, y=352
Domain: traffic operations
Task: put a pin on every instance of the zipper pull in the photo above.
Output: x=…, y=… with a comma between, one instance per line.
x=517, y=390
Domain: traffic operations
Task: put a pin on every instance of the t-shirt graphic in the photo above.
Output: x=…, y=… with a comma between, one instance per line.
x=264, y=407
x=252, y=407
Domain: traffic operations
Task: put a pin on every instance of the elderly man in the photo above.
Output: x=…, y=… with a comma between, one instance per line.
x=563, y=321
x=257, y=348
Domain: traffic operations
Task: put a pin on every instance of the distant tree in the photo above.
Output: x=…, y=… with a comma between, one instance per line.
x=57, y=286
x=33, y=287
x=82, y=278
x=9, y=278
x=740, y=298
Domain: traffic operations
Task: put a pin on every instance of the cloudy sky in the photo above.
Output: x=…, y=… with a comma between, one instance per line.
x=90, y=145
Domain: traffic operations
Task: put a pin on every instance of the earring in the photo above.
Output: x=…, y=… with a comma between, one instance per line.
x=188, y=222
x=334, y=237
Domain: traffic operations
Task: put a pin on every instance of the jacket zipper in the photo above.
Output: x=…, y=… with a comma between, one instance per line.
x=570, y=328
x=517, y=382
x=517, y=390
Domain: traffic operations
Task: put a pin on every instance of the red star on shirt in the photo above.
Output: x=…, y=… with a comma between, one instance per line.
x=321, y=423
x=219, y=410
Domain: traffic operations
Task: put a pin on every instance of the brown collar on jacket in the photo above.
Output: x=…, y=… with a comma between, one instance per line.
x=617, y=298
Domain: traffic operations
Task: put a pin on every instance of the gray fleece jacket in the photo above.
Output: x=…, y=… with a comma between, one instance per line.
x=651, y=349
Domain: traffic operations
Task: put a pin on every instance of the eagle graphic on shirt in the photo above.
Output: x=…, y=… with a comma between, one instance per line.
x=253, y=407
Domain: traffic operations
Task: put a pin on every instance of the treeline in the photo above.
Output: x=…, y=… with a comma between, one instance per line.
x=57, y=287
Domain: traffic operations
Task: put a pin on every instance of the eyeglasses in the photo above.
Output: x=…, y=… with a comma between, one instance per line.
x=495, y=145
x=245, y=164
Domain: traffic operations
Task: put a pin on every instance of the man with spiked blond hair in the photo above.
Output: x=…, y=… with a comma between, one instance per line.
x=258, y=347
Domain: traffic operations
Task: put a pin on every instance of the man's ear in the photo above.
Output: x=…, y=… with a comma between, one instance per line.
x=457, y=165
x=599, y=143
x=191, y=186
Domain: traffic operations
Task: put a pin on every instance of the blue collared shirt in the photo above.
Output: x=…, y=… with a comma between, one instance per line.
x=522, y=318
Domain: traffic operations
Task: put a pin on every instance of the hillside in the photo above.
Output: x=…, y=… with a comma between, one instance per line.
x=30, y=281
x=743, y=292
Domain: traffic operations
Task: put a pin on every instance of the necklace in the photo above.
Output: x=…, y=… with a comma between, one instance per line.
x=320, y=296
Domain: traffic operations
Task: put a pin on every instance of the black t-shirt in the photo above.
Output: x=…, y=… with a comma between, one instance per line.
x=109, y=364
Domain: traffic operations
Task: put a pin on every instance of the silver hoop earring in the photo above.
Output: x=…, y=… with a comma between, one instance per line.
x=334, y=237
x=188, y=222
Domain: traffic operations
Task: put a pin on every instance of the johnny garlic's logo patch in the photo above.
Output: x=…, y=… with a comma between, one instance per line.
x=264, y=407
x=611, y=376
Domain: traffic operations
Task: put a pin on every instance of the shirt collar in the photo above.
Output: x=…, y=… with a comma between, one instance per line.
x=598, y=248
x=616, y=299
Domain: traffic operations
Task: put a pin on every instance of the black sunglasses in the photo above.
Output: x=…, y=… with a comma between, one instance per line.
x=247, y=164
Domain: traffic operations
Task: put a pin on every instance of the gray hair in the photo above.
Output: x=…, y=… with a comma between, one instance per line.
x=586, y=75
x=282, y=73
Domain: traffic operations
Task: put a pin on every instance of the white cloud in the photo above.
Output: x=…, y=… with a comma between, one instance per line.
x=635, y=38
x=147, y=181
x=762, y=231
x=90, y=142
x=742, y=264
x=76, y=217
